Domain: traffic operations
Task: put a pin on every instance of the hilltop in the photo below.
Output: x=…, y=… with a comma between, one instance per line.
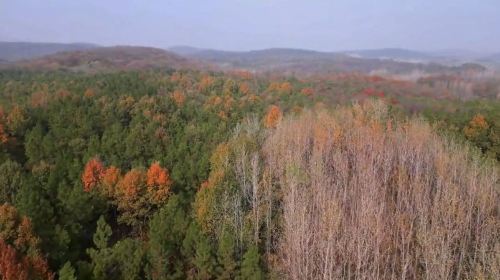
x=109, y=59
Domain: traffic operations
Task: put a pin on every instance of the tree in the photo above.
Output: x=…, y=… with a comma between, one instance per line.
x=135, y=194
x=158, y=181
x=16, y=119
x=20, y=255
x=110, y=178
x=484, y=135
x=102, y=234
x=10, y=180
x=245, y=88
x=204, y=259
x=250, y=266
x=178, y=97
x=131, y=197
x=206, y=83
x=92, y=174
x=67, y=272
x=273, y=117
x=307, y=91
x=11, y=266
x=4, y=137
x=122, y=261
x=197, y=250
x=127, y=259
x=101, y=255
x=286, y=88
x=167, y=229
x=225, y=256
x=476, y=127
x=89, y=93
x=16, y=230
x=229, y=87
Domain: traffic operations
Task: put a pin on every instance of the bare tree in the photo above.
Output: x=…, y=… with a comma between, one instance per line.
x=363, y=197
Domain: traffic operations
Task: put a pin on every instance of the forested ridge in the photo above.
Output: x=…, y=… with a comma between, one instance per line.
x=185, y=174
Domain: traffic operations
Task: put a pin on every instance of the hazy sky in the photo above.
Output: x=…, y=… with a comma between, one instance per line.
x=256, y=24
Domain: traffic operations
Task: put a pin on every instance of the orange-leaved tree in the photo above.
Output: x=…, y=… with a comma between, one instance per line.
x=273, y=117
x=135, y=194
x=158, y=182
x=178, y=97
x=476, y=126
x=20, y=255
x=92, y=174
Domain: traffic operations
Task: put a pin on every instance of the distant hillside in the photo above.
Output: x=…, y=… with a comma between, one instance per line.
x=392, y=53
x=185, y=50
x=495, y=57
x=492, y=60
x=14, y=51
x=109, y=59
x=313, y=62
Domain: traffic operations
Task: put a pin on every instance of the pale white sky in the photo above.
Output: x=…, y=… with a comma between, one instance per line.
x=257, y=24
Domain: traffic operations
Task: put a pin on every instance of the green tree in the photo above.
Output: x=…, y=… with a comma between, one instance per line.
x=198, y=252
x=250, y=266
x=102, y=234
x=127, y=260
x=10, y=181
x=204, y=259
x=101, y=255
x=166, y=232
x=67, y=272
x=225, y=256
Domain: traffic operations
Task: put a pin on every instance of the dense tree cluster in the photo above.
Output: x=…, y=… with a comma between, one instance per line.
x=184, y=175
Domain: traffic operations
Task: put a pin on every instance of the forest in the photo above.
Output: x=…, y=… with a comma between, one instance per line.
x=204, y=174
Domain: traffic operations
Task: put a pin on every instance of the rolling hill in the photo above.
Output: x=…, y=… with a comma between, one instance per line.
x=91, y=58
x=394, y=54
x=297, y=61
x=109, y=59
x=491, y=60
x=14, y=51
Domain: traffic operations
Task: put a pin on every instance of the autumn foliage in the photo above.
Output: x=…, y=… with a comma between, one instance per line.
x=244, y=88
x=109, y=180
x=178, y=97
x=157, y=176
x=273, y=117
x=14, y=266
x=92, y=174
x=206, y=83
x=20, y=255
x=3, y=134
x=329, y=190
x=307, y=91
x=476, y=126
x=135, y=193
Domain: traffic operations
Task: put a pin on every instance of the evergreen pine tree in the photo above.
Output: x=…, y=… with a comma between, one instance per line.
x=102, y=234
x=225, y=256
x=204, y=259
x=166, y=232
x=67, y=272
x=250, y=266
x=101, y=255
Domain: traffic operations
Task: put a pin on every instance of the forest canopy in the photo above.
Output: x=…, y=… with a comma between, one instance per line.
x=188, y=174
